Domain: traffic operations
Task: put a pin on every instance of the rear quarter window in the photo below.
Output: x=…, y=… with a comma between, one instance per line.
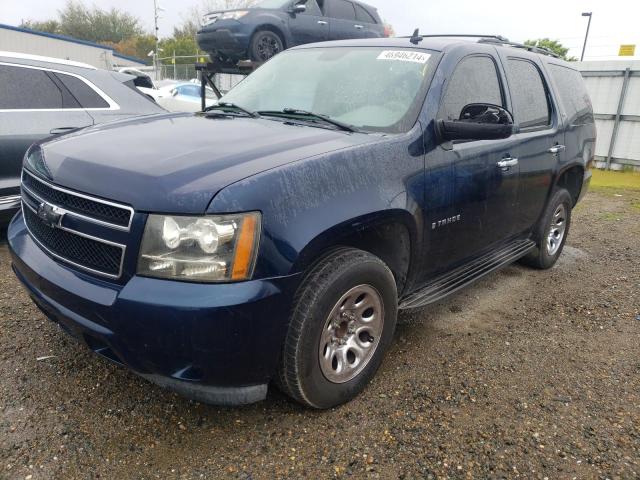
x=573, y=94
x=86, y=96
x=529, y=94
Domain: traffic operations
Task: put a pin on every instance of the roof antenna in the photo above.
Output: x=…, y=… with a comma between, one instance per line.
x=416, y=38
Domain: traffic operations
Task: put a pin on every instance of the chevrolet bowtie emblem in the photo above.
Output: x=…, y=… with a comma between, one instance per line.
x=49, y=214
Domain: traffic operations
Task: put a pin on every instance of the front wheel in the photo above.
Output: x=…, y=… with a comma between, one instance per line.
x=342, y=323
x=264, y=45
x=551, y=232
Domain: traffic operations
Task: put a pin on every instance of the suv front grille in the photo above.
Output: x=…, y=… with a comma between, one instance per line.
x=99, y=210
x=83, y=252
x=78, y=248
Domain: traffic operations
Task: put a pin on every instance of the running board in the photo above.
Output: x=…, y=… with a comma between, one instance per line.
x=454, y=280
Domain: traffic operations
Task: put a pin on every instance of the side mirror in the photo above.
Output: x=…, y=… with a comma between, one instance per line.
x=299, y=8
x=174, y=92
x=478, y=121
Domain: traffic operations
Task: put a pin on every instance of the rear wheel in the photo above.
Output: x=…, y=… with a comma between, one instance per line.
x=552, y=231
x=342, y=323
x=264, y=45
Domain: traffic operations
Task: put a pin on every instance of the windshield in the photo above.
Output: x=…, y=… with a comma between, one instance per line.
x=369, y=88
x=272, y=3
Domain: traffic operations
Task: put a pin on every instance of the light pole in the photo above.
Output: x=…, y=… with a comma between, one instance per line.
x=584, y=47
x=156, y=15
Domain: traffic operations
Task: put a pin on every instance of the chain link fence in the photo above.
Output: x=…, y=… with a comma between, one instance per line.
x=182, y=68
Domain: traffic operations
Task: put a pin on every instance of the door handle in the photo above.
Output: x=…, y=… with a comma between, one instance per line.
x=507, y=162
x=61, y=130
x=557, y=149
x=322, y=22
x=359, y=27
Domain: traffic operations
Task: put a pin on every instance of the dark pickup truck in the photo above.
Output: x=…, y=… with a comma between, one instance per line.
x=274, y=237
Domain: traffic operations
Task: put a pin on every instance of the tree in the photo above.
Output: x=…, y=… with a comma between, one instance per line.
x=48, y=26
x=553, y=45
x=181, y=46
x=91, y=24
x=138, y=46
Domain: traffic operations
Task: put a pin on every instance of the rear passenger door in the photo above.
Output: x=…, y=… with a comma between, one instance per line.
x=33, y=105
x=539, y=135
x=310, y=26
x=343, y=24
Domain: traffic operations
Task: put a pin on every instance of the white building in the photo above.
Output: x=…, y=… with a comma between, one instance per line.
x=23, y=40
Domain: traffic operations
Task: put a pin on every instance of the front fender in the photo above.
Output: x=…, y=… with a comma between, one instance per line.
x=309, y=205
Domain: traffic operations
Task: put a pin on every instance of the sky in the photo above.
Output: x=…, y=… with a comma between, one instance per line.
x=615, y=22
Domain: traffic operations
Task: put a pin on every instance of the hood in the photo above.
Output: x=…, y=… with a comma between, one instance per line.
x=176, y=163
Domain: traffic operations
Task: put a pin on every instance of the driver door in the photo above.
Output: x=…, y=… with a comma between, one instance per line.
x=484, y=173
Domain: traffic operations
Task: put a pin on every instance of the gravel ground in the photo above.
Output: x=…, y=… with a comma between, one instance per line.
x=527, y=374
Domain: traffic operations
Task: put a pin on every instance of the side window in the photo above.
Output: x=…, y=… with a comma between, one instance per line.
x=86, y=96
x=573, y=94
x=312, y=7
x=363, y=16
x=475, y=80
x=528, y=93
x=27, y=88
x=342, y=9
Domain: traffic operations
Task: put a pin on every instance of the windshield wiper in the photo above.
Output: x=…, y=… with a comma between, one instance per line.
x=310, y=116
x=231, y=106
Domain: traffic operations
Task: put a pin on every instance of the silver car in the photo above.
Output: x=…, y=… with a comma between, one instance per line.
x=41, y=97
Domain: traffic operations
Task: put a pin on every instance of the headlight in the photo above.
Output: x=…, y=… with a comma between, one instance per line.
x=200, y=249
x=233, y=15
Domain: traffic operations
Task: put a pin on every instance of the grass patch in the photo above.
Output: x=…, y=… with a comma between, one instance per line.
x=611, y=216
x=605, y=180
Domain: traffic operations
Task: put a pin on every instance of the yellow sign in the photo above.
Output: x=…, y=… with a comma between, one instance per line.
x=627, y=51
x=173, y=60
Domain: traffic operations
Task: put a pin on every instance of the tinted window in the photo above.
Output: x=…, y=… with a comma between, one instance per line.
x=27, y=88
x=342, y=9
x=86, y=96
x=363, y=16
x=528, y=93
x=573, y=94
x=475, y=80
x=312, y=7
x=144, y=82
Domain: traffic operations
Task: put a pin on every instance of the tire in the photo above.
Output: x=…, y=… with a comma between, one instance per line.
x=330, y=353
x=264, y=45
x=549, y=247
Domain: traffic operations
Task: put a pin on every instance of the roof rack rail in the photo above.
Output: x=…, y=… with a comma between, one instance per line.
x=495, y=39
x=530, y=48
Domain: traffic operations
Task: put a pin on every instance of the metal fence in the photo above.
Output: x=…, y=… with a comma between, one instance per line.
x=614, y=87
x=185, y=70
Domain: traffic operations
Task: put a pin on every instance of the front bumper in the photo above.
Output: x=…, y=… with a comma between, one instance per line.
x=215, y=343
x=228, y=37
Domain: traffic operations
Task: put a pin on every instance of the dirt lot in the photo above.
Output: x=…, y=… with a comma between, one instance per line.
x=527, y=374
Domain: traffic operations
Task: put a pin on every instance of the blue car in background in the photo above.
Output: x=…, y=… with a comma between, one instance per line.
x=260, y=32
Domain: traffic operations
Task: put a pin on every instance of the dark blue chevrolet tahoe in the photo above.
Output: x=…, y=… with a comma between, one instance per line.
x=274, y=237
